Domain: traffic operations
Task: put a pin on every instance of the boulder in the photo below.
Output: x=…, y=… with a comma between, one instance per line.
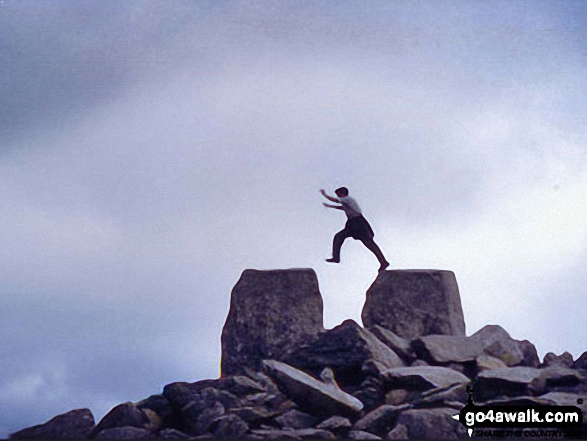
x=398, y=432
x=271, y=313
x=423, y=378
x=230, y=426
x=349, y=350
x=296, y=420
x=486, y=362
x=123, y=415
x=380, y=421
x=530, y=354
x=127, y=432
x=397, y=344
x=161, y=407
x=567, y=399
x=495, y=341
x=172, y=434
x=415, y=303
x=75, y=424
x=361, y=435
x=310, y=394
x=563, y=360
x=338, y=425
x=438, y=397
x=312, y=434
x=447, y=349
x=432, y=424
x=506, y=382
x=581, y=362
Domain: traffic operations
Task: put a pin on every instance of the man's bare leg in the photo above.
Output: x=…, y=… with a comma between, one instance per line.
x=374, y=248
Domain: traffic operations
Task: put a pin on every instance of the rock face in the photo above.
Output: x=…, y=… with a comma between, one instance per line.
x=415, y=303
x=349, y=382
x=271, y=313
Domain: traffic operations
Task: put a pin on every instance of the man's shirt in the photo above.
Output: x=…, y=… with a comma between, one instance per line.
x=350, y=206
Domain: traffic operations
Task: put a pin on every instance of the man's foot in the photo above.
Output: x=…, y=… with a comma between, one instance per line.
x=383, y=266
x=333, y=260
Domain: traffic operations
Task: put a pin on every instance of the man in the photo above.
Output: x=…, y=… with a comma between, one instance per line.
x=356, y=227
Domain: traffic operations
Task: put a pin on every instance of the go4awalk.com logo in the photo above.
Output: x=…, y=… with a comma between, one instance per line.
x=559, y=420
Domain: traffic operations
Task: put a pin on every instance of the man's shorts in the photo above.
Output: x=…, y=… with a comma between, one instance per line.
x=359, y=229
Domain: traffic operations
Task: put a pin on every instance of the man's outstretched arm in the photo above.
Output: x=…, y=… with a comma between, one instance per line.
x=338, y=207
x=330, y=198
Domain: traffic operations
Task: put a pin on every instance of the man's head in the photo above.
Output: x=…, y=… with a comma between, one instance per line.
x=342, y=192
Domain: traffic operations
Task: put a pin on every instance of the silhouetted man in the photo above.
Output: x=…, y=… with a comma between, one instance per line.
x=356, y=227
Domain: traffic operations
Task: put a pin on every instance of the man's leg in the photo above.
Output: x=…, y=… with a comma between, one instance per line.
x=339, y=239
x=374, y=248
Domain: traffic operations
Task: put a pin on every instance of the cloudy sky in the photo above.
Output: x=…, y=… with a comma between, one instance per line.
x=151, y=151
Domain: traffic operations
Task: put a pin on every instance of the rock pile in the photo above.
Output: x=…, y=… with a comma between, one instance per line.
x=285, y=377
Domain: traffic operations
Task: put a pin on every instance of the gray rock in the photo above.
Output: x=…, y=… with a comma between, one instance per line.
x=349, y=350
x=380, y=421
x=432, y=424
x=563, y=360
x=398, y=432
x=271, y=313
x=230, y=426
x=440, y=396
x=162, y=409
x=530, y=354
x=172, y=434
x=581, y=362
x=495, y=341
x=419, y=363
x=514, y=381
x=127, y=432
x=310, y=394
x=557, y=376
x=296, y=420
x=423, y=378
x=446, y=349
x=524, y=401
x=206, y=419
x=274, y=434
x=336, y=424
x=75, y=424
x=486, y=362
x=397, y=344
x=397, y=397
x=255, y=415
x=314, y=434
x=567, y=399
x=415, y=303
x=360, y=435
x=123, y=415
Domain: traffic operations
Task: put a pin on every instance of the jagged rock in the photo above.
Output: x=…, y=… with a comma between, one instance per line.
x=172, y=434
x=423, y=378
x=530, y=354
x=486, y=362
x=514, y=381
x=271, y=313
x=581, y=362
x=452, y=394
x=206, y=419
x=397, y=344
x=123, y=415
x=563, y=360
x=75, y=424
x=414, y=303
x=432, y=423
x=296, y=420
x=398, y=432
x=446, y=349
x=126, y=432
x=338, y=425
x=162, y=409
x=379, y=421
x=495, y=341
x=567, y=399
x=348, y=349
x=557, y=376
x=360, y=435
x=311, y=434
x=310, y=394
x=230, y=426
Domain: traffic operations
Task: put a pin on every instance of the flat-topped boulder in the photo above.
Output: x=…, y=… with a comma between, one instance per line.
x=271, y=313
x=415, y=303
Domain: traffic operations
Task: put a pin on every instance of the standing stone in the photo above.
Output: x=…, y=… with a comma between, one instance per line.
x=414, y=303
x=271, y=313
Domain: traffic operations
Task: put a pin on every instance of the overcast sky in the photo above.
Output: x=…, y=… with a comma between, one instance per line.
x=151, y=151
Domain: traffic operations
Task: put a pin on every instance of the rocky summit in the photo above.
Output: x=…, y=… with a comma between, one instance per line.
x=404, y=375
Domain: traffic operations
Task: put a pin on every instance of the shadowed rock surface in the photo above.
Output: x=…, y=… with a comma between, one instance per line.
x=346, y=382
x=271, y=313
x=415, y=303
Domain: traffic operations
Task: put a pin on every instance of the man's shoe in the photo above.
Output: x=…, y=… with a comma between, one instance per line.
x=333, y=260
x=383, y=266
